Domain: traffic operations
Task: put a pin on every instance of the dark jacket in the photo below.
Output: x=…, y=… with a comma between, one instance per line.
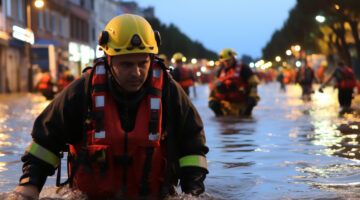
x=62, y=122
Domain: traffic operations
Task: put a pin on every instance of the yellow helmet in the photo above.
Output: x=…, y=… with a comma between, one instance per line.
x=227, y=54
x=126, y=34
x=163, y=56
x=178, y=57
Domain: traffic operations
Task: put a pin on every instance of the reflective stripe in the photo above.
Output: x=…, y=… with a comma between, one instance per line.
x=155, y=103
x=193, y=161
x=43, y=154
x=99, y=101
x=99, y=135
x=100, y=70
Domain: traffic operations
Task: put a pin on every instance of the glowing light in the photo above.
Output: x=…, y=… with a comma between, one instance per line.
x=194, y=61
x=211, y=63
x=297, y=47
x=172, y=60
x=320, y=18
x=298, y=63
x=252, y=65
x=39, y=3
x=288, y=52
x=23, y=34
x=337, y=7
x=277, y=58
x=198, y=74
x=184, y=59
x=203, y=69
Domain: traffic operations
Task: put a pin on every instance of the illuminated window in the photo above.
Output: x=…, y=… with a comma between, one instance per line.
x=21, y=10
x=8, y=8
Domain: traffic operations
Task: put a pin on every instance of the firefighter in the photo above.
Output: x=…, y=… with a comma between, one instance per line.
x=181, y=73
x=345, y=82
x=65, y=79
x=235, y=90
x=305, y=77
x=46, y=86
x=132, y=131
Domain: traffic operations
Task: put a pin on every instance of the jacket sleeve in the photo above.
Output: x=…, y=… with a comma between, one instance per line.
x=192, y=149
x=60, y=123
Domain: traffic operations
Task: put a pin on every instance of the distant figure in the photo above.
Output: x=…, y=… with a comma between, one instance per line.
x=306, y=77
x=235, y=90
x=182, y=74
x=165, y=59
x=46, y=86
x=65, y=79
x=345, y=82
x=281, y=79
x=320, y=72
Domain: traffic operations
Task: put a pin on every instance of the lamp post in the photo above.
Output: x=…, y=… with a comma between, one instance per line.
x=38, y=4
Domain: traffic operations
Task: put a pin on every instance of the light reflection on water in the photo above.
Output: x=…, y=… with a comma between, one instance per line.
x=288, y=149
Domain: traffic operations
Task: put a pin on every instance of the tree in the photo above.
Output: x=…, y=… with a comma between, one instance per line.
x=173, y=40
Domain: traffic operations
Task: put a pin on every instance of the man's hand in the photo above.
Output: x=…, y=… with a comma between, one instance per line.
x=26, y=192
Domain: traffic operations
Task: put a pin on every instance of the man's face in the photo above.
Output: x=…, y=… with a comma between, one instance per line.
x=228, y=63
x=131, y=70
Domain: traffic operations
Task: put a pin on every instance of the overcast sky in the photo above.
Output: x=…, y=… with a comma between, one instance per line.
x=244, y=25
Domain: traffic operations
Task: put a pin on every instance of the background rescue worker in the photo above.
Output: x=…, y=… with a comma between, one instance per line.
x=306, y=77
x=46, y=86
x=65, y=79
x=132, y=131
x=165, y=59
x=320, y=72
x=281, y=79
x=236, y=83
x=346, y=82
x=181, y=73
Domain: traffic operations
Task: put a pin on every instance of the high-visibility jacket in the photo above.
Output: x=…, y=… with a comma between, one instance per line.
x=117, y=162
x=348, y=80
x=186, y=78
x=230, y=86
x=45, y=82
x=182, y=145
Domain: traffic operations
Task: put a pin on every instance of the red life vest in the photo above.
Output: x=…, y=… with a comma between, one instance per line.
x=45, y=82
x=186, y=79
x=235, y=85
x=120, y=163
x=348, y=80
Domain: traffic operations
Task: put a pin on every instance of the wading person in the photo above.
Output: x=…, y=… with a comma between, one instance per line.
x=132, y=132
x=235, y=90
x=182, y=74
x=345, y=82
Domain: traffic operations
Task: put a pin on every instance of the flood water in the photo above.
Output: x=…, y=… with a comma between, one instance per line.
x=289, y=149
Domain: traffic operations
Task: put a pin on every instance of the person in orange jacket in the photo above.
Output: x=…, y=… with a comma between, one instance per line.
x=181, y=73
x=345, y=82
x=235, y=89
x=130, y=130
x=65, y=79
x=46, y=86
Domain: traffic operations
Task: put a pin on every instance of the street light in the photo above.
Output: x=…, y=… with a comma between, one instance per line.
x=39, y=3
x=277, y=58
x=288, y=52
x=320, y=18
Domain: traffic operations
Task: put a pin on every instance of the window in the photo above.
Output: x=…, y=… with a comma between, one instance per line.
x=41, y=20
x=8, y=8
x=47, y=20
x=54, y=23
x=20, y=10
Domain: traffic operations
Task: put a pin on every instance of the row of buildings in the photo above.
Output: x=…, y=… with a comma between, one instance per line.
x=60, y=34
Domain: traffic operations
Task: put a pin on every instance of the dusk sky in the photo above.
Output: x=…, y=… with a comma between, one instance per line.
x=244, y=25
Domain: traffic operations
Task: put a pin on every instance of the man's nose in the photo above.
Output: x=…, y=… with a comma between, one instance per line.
x=136, y=70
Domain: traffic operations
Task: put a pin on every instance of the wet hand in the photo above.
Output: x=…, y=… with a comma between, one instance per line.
x=27, y=192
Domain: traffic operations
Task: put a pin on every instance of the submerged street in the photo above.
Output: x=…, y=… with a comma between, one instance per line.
x=288, y=149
